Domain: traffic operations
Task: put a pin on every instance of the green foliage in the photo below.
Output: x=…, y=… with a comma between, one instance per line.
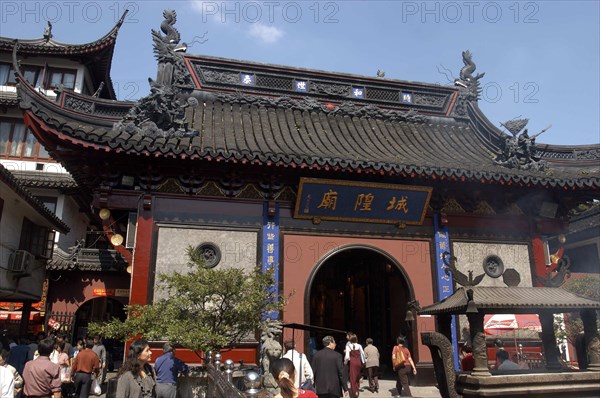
x=587, y=286
x=203, y=309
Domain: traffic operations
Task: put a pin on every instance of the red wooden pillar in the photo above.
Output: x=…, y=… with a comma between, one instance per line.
x=140, y=275
x=539, y=258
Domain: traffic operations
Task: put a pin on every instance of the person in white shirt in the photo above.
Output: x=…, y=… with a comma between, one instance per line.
x=7, y=383
x=18, y=386
x=355, y=358
x=505, y=363
x=303, y=369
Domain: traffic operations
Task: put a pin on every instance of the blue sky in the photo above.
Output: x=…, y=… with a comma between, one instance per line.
x=540, y=58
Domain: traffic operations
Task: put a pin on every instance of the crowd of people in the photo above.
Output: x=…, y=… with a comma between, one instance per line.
x=51, y=367
x=332, y=374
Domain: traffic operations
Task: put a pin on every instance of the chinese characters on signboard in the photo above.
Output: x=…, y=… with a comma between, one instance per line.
x=270, y=248
x=441, y=240
x=362, y=202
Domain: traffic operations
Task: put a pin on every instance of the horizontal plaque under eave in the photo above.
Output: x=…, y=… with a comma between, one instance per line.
x=361, y=201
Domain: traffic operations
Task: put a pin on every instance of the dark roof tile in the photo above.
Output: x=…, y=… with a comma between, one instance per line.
x=99, y=51
x=42, y=179
x=317, y=137
x=13, y=183
x=511, y=300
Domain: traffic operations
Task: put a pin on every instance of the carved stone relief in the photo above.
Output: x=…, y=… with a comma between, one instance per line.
x=429, y=99
x=79, y=105
x=223, y=77
x=472, y=255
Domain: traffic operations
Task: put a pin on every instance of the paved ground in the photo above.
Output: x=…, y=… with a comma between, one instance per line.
x=387, y=389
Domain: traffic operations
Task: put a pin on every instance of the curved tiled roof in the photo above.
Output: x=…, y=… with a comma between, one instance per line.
x=100, y=52
x=42, y=179
x=291, y=133
x=85, y=259
x=12, y=182
x=8, y=98
x=510, y=300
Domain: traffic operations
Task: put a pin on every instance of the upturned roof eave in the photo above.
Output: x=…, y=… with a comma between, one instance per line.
x=523, y=300
x=12, y=182
x=103, y=46
x=492, y=134
x=31, y=46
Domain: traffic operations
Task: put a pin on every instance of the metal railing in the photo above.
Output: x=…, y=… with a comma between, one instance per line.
x=214, y=380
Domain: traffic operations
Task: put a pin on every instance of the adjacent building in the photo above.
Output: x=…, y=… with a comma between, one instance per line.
x=84, y=253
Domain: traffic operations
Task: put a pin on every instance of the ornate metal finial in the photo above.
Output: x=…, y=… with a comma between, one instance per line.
x=252, y=384
x=514, y=126
x=380, y=73
x=471, y=306
x=229, y=366
x=466, y=79
x=457, y=276
x=48, y=31
x=519, y=152
x=557, y=276
x=99, y=90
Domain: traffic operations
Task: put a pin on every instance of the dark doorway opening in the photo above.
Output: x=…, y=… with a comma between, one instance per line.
x=364, y=291
x=102, y=309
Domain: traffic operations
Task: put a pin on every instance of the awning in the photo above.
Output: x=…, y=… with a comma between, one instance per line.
x=17, y=315
x=511, y=300
x=501, y=323
x=15, y=306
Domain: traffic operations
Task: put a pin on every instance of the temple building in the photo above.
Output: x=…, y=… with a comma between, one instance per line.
x=352, y=187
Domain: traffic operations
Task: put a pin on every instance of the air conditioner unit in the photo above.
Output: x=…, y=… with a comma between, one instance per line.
x=20, y=261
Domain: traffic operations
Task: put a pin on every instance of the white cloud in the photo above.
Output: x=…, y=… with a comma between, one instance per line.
x=268, y=34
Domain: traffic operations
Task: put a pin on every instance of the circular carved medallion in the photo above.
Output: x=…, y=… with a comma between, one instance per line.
x=210, y=253
x=493, y=266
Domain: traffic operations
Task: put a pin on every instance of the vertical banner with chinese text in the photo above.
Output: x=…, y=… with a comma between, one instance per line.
x=445, y=288
x=270, y=248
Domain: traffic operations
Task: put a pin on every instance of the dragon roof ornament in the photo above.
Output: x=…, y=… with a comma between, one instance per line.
x=162, y=112
x=466, y=79
x=469, y=86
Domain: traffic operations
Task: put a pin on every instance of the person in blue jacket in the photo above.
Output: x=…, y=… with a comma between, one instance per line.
x=167, y=368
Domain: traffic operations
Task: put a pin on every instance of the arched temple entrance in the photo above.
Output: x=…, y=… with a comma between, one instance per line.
x=364, y=290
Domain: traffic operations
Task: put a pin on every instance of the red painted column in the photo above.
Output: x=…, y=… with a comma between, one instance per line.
x=140, y=276
x=539, y=258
